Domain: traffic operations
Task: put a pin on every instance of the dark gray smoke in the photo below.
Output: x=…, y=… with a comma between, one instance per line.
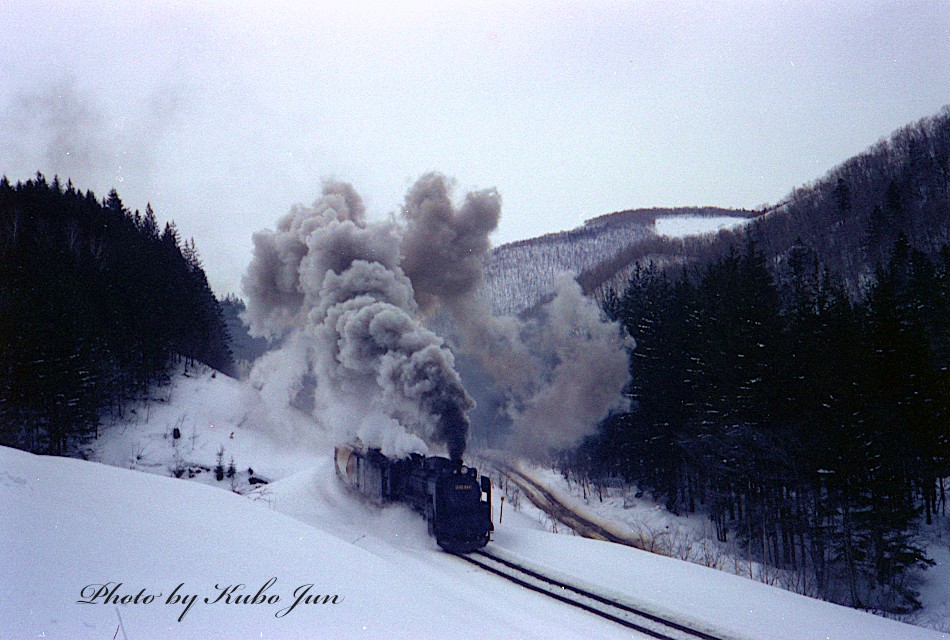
x=583, y=371
x=332, y=284
x=442, y=248
x=562, y=370
x=273, y=282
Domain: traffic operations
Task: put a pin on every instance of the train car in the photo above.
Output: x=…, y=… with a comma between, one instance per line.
x=363, y=470
x=453, y=498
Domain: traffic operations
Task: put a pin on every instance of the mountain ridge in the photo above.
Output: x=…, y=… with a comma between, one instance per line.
x=850, y=217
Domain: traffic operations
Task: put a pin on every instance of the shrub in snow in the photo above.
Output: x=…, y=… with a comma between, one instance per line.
x=219, y=468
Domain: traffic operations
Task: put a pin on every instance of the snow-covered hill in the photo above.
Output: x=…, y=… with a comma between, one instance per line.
x=135, y=544
x=684, y=226
x=520, y=274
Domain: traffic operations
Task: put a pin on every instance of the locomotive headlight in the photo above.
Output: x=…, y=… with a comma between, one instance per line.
x=463, y=470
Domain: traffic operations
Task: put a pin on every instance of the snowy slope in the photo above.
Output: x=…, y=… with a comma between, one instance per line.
x=520, y=274
x=683, y=226
x=68, y=524
x=73, y=524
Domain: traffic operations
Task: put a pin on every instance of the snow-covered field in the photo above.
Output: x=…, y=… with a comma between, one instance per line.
x=139, y=547
x=682, y=226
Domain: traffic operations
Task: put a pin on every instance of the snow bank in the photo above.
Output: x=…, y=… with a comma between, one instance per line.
x=70, y=526
x=727, y=605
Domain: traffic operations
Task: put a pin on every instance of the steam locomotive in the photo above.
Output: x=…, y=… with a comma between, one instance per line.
x=454, y=500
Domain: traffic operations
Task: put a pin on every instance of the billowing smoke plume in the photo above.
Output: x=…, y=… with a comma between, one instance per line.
x=584, y=368
x=562, y=370
x=331, y=285
x=347, y=298
x=442, y=249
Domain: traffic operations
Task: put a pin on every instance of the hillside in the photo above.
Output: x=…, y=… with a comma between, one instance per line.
x=853, y=214
x=520, y=274
x=850, y=217
x=95, y=303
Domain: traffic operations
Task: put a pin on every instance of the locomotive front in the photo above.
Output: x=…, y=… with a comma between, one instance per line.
x=460, y=504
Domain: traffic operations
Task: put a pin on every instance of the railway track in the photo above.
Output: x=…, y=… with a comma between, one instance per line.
x=545, y=500
x=552, y=505
x=621, y=613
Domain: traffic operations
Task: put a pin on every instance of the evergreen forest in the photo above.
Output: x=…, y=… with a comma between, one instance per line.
x=96, y=304
x=811, y=428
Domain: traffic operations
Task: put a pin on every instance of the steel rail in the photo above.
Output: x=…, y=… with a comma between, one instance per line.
x=652, y=617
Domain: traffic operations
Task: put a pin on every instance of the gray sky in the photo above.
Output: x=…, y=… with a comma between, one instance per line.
x=226, y=115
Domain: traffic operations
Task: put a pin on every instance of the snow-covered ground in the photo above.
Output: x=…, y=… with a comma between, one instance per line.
x=140, y=546
x=682, y=226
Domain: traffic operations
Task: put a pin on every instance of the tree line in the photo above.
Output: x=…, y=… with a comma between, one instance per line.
x=95, y=304
x=811, y=428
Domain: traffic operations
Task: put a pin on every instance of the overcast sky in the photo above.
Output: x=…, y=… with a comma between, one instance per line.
x=225, y=116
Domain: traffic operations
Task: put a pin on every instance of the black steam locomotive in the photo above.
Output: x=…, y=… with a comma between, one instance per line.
x=456, y=503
